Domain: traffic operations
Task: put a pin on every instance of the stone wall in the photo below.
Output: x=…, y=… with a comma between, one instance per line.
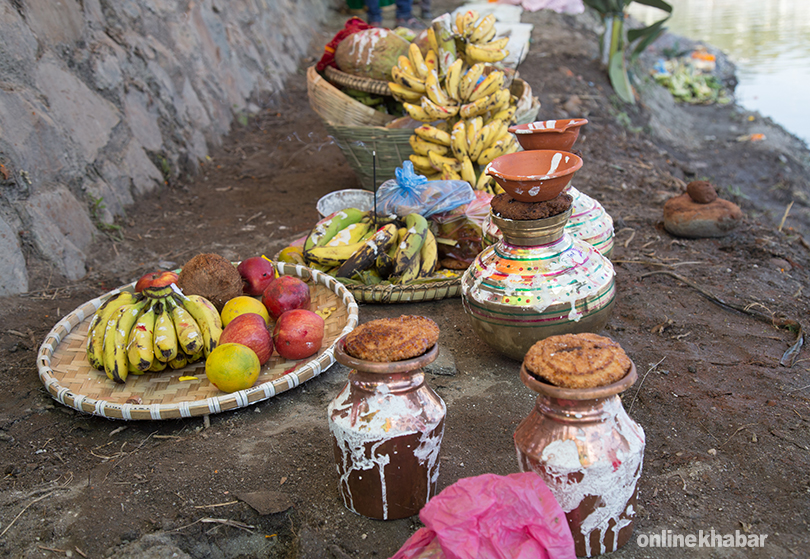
x=101, y=100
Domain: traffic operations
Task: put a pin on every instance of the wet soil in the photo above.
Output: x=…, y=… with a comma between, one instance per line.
x=728, y=444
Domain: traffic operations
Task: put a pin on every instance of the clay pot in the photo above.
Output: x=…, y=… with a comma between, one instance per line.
x=549, y=134
x=534, y=176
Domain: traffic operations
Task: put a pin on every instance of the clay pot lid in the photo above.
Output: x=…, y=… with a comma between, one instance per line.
x=548, y=126
x=535, y=175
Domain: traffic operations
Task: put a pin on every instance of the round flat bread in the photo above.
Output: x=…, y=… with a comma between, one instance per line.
x=577, y=360
x=392, y=339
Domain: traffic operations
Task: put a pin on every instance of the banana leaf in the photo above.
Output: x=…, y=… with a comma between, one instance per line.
x=617, y=71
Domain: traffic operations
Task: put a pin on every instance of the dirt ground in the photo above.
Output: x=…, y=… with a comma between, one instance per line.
x=728, y=444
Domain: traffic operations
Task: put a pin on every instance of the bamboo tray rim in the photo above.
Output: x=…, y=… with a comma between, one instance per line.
x=303, y=371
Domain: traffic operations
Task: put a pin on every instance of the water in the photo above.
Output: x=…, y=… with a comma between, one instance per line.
x=768, y=40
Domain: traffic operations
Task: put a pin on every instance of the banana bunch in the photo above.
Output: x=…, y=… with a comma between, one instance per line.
x=138, y=333
x=347, y=246
x=475, y=38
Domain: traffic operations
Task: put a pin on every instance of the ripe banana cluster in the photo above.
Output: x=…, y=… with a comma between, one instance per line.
x=476, y=40
x=137, y=333
x=348, y=247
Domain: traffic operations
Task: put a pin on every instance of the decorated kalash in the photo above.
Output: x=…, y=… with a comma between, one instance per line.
x=482, y=207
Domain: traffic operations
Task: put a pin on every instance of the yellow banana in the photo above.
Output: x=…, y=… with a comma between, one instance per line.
x=157, y=366
x=497, y=44
x=208, y=309
x=459, y=22
x=417, y=61
x=180, y=360
x=480, y=142
x=495, y=150
x=449, y=173
x=433, y=134
x=483, y=28
x=458, y=140
x=115, y=342
x=403, y=94
x=201, y=314
x=473, y=126
x=327, y=228
x=468, y=23
x=489, y=36
x=199, y=356
x=428, y=256
x=189, y=334
x=407, y=80
x=435, y=92
x=467, y=170
x=476, y=54
x=499, y=131
x=165, y=336
x=453, y=79
x=433, y=44
x=421, y=163
x=408, y=249
x=422, y=147
x=432, y=61
x=437, y=161
x=416, y=112
x=347, y=236
x=140, y=347
x=502, y=100
x=99, y=323
x=492, y=83
x=469, y=80
x=334, y=256
x=364, y=258
x=404, y=64
x=438, y=112
x=482, y=105
x=507, y=115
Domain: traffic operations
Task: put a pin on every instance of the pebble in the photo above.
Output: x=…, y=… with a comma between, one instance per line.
x=702, y=192
x=683, y=217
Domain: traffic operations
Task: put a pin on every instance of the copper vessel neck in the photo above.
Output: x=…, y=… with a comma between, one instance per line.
x=532, y=232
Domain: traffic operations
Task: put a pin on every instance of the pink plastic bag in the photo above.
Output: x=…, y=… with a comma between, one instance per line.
x=492, y=517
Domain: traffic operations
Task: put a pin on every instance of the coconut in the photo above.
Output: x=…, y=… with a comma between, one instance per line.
x=370, y=53
x=211, y=276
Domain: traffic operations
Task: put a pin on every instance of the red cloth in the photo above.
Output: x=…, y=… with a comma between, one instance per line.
x=351, y=27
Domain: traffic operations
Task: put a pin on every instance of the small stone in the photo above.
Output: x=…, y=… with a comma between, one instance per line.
x=683, y=217
x=702, y=192
x=712, y=452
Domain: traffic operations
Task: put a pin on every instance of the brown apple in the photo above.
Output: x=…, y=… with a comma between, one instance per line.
x=250, y=330
x=156, y=280
x=285, y=293
x=257, y=272
x=298, y=334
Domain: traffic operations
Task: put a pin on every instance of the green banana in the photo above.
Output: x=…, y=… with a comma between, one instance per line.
x=364, y=258
x=350, y=234
x=327, y=228
x=385, y=260
x=331, y=256
x=99, y=323
x=202, y=314
x=115, y=341
x=165, y=338
x=408, y=250
x=140, y=347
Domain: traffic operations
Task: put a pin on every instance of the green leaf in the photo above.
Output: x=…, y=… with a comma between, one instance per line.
x=617, y=71
x=633, y=34
x=660, y=4
x=647, y=41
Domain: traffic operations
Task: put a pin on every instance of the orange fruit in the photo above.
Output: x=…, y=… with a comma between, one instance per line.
x=241, y=305
x=232, y=367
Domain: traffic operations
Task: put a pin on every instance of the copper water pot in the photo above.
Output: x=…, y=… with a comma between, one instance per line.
x=387, y=427
x=589, y=452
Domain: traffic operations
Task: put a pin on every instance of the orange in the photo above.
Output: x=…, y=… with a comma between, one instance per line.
x=241, y=305
x=232, y=367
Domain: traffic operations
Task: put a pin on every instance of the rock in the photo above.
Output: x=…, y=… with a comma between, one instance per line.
x=702, y=192
x=683, y=217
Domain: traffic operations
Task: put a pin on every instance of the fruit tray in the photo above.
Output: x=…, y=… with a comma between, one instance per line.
x=69, y=378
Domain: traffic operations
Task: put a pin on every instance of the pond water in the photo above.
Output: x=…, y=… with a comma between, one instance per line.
x=768, y=40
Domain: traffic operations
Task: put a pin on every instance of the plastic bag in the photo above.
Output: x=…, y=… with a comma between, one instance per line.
x=412, y=193
x=464, y=227
x=492, y=517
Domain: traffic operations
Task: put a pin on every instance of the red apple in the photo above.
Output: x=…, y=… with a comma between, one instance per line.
x=298, y=334
x=257, y=272
x=156, y=280
x=285, y=293
x=250, y=330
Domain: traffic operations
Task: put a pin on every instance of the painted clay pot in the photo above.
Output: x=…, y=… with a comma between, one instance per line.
x=387, y=427
x=590, y=453
x=536, y=282
x=589, y=222
x=534, y=176
x=549, y=134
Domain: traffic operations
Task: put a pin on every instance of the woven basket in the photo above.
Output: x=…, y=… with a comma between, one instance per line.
x=69, y=378
x=359, y=143
x=377, y=87
x=337, y=108
x=413, y=293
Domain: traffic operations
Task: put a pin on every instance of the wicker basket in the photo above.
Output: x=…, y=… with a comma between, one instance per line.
x=409, y=293
x=337, y=108
x=377, y=87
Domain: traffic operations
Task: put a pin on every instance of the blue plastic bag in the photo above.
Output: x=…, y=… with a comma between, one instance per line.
x=412, y=193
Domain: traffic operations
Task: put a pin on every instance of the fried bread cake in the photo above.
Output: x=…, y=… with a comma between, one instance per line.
x=392, y=339
x=577, y=360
